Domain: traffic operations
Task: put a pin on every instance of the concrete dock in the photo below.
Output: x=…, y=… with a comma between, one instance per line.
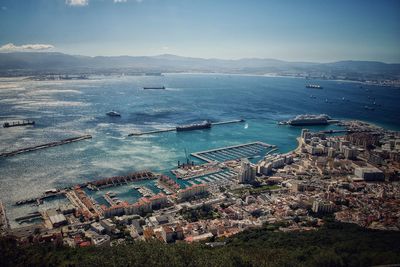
x=153, y=132
x=34, y=148
x=174, y=129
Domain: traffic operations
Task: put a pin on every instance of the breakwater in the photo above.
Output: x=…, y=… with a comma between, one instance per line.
x=174, y=129
x=119, y=180
x=47, y=145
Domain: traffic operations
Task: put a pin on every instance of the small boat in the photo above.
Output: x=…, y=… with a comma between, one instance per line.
x=314, y=86
x=369, y=108
x=113, y=113
x=154, y=88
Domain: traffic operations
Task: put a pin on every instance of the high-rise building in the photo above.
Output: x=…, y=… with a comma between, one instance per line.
x=369, y=173
x=323, y=206
x=305, y=134
x=350, y=153
x=247, y=173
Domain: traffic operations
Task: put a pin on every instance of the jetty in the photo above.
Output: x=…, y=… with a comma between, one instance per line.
x=42, y=146
x=39, y=200
x=29, y=217
x=174, y=129
x=153, y=132
x=18, y=123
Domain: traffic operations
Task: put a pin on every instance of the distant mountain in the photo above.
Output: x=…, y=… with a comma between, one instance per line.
x=29, y=63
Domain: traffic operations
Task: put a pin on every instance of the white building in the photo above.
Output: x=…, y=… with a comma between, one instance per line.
x=247, y=173
x=323, y=207
x=192, y=191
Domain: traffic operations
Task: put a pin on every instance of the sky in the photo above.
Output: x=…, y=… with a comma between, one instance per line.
x=296, y=30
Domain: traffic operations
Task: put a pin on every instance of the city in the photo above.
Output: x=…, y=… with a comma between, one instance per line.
x=352, y=177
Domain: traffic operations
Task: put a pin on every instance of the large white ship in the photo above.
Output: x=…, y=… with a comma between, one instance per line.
x=308, y=119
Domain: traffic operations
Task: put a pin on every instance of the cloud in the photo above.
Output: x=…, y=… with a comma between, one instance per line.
x=77, y=2
x=27, y=47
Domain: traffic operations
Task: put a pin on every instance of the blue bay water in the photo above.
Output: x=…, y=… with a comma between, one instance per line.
x=65, y=109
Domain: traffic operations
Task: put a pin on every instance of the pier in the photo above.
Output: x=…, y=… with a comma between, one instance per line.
x=18, y=123
x=153, y=132
x=52, y=144
x=174, y=129
x=227, y=122
x=39, y=200
x=248, y=150
x=29, y=217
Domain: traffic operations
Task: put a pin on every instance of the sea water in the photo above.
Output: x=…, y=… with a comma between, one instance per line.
x=69, y=108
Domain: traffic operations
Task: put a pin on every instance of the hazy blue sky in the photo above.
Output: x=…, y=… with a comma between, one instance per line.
x=319, y=30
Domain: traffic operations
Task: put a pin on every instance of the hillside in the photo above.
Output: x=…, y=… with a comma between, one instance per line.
x=335, y=244
x=31, y=63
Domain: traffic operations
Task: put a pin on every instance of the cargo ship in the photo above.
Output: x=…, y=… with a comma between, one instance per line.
x=306, y=119
x=194, y=126
x=154, y=88
x=18, y=123
x=314, y=86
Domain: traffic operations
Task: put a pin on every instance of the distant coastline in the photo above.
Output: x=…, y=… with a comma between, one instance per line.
x=45, y=63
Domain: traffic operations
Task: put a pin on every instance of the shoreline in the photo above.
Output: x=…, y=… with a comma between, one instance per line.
x=270, y=75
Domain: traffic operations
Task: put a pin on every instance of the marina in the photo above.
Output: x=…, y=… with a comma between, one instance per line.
x=146, y=192
x=220, y=178
x=248, y=150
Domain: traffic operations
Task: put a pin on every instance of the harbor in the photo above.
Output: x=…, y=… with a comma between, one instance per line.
x=91, y=186
x=248, y=150
x=52, y=144
x=177, y=128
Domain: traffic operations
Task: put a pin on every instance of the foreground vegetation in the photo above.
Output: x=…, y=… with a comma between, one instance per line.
x=335, y=244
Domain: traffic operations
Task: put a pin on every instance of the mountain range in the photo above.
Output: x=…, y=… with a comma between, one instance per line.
x=30, y=63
